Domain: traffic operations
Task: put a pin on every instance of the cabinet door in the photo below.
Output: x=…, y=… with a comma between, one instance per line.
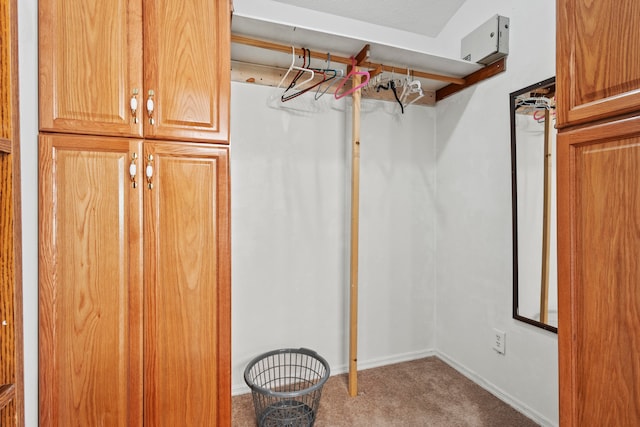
x=90, y=291
x=598, y=70
x=599, y=292
x=90, y=65
x=187, y=287
x=187, y=69
x=8, y=73
x=11, y=342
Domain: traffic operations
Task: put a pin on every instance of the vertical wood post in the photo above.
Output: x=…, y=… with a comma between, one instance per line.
x=355, y=209
x=546, y=216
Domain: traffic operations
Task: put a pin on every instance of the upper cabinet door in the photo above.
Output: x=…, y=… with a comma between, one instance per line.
x=90, y=55
x=598, y=75
x=187, y=69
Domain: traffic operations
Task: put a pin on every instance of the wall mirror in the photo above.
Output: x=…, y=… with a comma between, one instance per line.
x=533, y=183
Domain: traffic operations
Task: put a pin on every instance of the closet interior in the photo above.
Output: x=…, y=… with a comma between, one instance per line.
x=298, y=61
x=134, y=180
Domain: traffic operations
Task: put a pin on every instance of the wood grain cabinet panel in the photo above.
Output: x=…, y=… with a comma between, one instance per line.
x=598, y=67
x=108, y=331
x=599, y=293
x=171, y=58
x=187, y=297
x=6, y=76
x=90, y=65
x=90, y=283
x=187, y=66
x=11, y=334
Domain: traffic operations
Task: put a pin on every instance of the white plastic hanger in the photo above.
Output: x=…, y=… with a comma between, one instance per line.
x=294, y=67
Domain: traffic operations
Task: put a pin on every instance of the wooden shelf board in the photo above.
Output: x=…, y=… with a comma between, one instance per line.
x=489, y=71
x=261, y=53
x=251, y=34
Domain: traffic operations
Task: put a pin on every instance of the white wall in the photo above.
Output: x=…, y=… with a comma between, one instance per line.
x=28, y=63
x=290, y=175
x=474, y=274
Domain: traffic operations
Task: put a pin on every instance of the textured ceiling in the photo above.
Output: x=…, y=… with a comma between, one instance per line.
x=425, y=17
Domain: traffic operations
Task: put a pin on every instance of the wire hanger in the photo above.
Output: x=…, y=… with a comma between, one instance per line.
x=353, y=72
x=333, y=79
x=301, y=70
x=320, y=71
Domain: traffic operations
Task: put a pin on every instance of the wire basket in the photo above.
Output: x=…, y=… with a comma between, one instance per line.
x=286, y=386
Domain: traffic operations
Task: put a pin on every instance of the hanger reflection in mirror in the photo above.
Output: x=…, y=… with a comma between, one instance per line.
x=301, y=71
x=353, y=72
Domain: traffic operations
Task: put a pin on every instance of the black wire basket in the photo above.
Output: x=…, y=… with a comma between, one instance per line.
x=286, y=386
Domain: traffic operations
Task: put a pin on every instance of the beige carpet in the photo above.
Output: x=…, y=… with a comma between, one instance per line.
x=425, y=392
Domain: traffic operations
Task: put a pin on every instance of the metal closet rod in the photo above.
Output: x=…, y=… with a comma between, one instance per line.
x=361, y=59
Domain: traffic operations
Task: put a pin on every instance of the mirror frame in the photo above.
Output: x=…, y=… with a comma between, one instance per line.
x=514, y=201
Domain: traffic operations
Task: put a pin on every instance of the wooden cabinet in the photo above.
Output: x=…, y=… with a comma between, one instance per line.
x=598, y=67
x=108, y=331
x=598, y=99
x=172, y=59
x=11, y=342
x=134, y=254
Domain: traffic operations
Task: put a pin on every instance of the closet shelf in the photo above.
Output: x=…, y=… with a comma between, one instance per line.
x=261, y=53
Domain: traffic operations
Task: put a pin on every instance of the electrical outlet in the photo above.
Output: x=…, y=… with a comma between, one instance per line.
x=499, y=340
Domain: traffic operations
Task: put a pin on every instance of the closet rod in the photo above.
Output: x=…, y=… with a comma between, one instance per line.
x=263, y=44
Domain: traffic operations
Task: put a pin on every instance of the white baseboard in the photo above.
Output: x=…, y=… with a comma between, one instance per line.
x=384, y=361
x=497, y=392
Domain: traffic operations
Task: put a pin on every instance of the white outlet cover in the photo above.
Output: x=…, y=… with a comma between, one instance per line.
x=499, y=341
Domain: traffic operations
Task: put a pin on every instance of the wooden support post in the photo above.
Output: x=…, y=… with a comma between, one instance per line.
x=546, y=216
x=355, y=213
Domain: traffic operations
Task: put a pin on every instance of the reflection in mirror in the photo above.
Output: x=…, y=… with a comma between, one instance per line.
x=533, y=174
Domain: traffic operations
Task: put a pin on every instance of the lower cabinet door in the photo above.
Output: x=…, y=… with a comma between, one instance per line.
x=186, y=285
x=598, y=267
x=90, y=282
